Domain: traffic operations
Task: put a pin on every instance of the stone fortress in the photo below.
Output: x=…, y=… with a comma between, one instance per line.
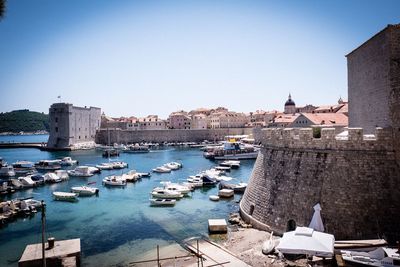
x=72, y=127
x=355, y=176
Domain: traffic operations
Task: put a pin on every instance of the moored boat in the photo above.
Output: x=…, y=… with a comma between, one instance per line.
x=85, y=190
x=65, y=196
x=114, y=181
x=165, y=193
x=7, y=171
x=51, y=177
x=162, y=170
x=26, y=181
x=48, y=165
x=68, y=161
x=80, y=171
x=162, y=202
x=213, y=197
x=63, y=174
x=23, y=167
x=233, y=164
x=225, y=193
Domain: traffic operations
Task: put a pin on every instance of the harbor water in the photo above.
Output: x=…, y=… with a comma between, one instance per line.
x=117, y=226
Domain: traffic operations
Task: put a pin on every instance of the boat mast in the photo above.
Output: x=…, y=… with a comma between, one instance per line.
x=43, y=234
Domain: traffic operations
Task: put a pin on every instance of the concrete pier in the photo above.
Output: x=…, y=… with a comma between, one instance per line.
x=55, y=256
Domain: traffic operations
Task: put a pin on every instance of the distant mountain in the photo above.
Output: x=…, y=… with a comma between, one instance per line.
x=23, y=120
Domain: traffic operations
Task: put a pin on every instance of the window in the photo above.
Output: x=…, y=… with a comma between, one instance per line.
x=56, y=119
x=56, y=129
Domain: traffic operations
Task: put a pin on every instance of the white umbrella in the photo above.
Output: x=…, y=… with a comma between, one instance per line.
x=316, y=220
x=305, y=240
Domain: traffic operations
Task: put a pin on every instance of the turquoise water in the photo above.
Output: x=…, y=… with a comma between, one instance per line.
x=24, y=138
x=119, y=225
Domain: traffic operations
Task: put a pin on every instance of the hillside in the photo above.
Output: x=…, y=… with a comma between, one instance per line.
x=23, y=120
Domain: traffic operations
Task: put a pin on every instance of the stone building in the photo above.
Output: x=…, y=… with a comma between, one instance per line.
x=179, y=120
x=354, y=177
x=151, y=122
x=72, y=127
x=228, y=119
x=199, y=121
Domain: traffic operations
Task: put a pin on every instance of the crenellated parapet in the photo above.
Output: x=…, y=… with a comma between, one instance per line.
x=330, y=138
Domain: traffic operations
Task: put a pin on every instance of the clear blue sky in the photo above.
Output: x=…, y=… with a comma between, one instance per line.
x=155, y=57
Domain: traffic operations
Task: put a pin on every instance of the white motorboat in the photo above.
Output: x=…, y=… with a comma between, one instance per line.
x=65, y=196
x=63, y=174
x=381, y=256
x=223, y=168
x=237, y=188
x=105, y=166
x=48, y=165
x=164, y=193
x=15, y=184
x=196, y=181
x=162, y=202
x=68, y=161
x=162, y=170
x=23, y=167
x=119, y=164
x=94, y=170
x=233, y=164
x=26, y=181
x=51, y=177
x=7, y=171
x=114, y=181
x=213, y=197
x=85, y=190
x=183, y=189
x=80, y=171
x=131, y=176
x=226, y=193
x=173, y=165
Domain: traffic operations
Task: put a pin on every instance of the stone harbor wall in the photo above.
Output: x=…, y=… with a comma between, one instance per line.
x=355, y=181
x=105, y=136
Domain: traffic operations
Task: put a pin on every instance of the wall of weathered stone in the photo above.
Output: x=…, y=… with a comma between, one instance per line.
x=373, y=81
x=105, y=136
x=355, y=181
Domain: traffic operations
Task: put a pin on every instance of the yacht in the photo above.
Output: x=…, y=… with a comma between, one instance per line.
x=136, y=149
x=162, y=202
x=38, y=179
x=131, y=176
x=7, y=171
x=195, y=180
x=105, y=166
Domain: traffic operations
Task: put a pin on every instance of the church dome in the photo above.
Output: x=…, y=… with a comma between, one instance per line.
x=290, y=102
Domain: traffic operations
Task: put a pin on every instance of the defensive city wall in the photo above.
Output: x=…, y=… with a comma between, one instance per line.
x=110, y=136
x=354, y=178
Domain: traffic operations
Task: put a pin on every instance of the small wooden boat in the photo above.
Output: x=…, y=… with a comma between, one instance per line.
x=65, y=196
x=214, y=198
x=269, y=245
x=162, y=202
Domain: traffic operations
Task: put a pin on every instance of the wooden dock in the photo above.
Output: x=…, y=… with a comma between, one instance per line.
x=213, y=254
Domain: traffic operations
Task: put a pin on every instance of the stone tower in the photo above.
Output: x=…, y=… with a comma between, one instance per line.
x=72, y=127
x=355, y=178
x=374, y=81
x=290, y=106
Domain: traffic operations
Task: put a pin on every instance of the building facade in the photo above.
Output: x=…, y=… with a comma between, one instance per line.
x=72, y=127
